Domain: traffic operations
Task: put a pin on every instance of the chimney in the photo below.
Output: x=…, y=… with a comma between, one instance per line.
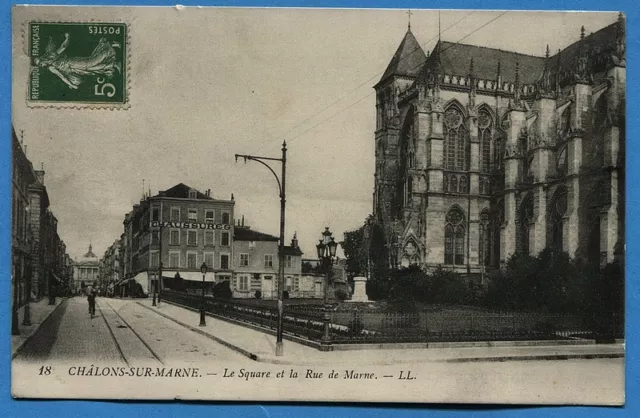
x=294, y=241
x=243, y=220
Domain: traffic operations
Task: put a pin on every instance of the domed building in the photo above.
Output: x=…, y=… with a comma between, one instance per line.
x=86, y=271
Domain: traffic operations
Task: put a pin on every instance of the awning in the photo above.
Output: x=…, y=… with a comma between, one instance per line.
x=194, y=276
x=143, y=279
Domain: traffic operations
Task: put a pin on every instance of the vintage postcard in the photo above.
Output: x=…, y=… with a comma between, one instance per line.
x=355, y=205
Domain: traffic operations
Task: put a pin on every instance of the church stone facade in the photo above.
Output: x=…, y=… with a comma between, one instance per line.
x=481, y=153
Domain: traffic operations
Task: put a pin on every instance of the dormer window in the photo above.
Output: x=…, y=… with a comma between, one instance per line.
x=193, y=194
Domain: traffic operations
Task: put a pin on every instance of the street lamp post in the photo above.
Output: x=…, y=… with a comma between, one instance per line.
x=282, y=190
x=326, y=255
x=203, y=269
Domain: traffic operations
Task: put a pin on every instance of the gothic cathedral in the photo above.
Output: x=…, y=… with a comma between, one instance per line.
x=481, y=153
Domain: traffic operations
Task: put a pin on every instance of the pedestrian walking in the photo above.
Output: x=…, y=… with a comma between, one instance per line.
x=92, y=302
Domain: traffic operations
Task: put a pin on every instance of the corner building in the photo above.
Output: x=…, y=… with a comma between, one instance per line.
x=481, y=153
x=182, y=227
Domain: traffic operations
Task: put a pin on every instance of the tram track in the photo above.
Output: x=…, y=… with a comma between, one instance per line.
x=128, y=342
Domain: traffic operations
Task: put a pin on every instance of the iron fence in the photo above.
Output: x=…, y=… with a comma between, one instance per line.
x=357, y=327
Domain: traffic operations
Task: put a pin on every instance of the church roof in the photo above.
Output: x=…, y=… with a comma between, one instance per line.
x=455, y=59
x=408, y=59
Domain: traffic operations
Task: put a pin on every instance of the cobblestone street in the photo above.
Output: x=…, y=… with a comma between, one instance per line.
x=121, y=333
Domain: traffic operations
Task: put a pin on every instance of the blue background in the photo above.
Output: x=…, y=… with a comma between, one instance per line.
x=189, y=409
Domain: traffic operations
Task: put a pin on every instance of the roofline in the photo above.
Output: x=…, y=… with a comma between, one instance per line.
x=183, y=199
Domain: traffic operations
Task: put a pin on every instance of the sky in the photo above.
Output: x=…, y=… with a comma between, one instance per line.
x=209, y=83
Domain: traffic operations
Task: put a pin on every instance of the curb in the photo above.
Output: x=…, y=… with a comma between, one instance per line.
x=33, y=332
x=535, y=357
x=227, y=344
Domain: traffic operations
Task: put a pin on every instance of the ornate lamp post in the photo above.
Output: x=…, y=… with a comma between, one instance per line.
x=203, y=269
x=326, y=255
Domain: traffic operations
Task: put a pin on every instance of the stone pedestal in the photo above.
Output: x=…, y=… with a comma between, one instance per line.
x=359, y=290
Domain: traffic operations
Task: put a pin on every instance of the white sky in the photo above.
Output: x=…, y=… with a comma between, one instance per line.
x=209, y=83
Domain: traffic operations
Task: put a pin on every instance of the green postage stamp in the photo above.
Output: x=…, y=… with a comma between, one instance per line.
x=78, y=64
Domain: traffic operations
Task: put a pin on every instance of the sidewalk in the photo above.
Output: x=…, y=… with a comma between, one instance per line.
x=260, y=346
x=40, y=311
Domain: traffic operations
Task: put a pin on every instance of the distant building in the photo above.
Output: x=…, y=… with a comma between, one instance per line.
x=86, y=271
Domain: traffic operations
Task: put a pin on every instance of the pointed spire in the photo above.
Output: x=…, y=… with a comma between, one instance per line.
x=517, y=103
x=582, y=33
x=498, y=77
x=546, y=55
x=409, y=22
x=439, y=26
x=408, y=59
x=472, y=85
x=558, y=69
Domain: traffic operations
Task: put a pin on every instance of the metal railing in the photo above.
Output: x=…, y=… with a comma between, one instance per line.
x=357, y=327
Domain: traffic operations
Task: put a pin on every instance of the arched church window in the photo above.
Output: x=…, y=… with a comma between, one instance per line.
x=485, y=125
x=454, y=233
x=454, y=184
x=484, y=238
x=526, y=218
x=411, y=159
x=558, y=211
x=445, y=183
x=564, y=123
x=455, y=140
x=463, y=184
x=562, y=162
x=498, y=153
x=408, y=191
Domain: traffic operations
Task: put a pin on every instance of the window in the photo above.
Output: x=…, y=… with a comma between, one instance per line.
x=193, y=215
x=562, y=162
x=174, y=237
x=154, y=259
x=288, y=261
x=243, y=282
x=208, y=259
x=174, y=259
x=526, y=217
x=288, y=283
x=192, y=261
x=209, y=216
x=155, y=213
x=224, y=261
x=209, y=238
x=463, y=184
x=484, y=136
x=155, y=237
x=193, y=194
x=224, y=239
x=558, y=211
x=268, y=261
x=454, y=234
x=175, y=214
x=192, y=237
x=252, y=244
x=455, y=140
x=244, y=260
x=484, y=238
x=225, y=218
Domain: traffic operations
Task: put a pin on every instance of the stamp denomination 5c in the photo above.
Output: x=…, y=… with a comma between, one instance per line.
x=78, y=64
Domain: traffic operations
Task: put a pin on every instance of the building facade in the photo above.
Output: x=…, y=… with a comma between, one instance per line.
x=86, y=271
x=22, y=176
x=182, y=228
x=256, y=265
x=481, y=153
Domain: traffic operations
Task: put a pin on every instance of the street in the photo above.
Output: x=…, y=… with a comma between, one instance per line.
x=122, y=332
